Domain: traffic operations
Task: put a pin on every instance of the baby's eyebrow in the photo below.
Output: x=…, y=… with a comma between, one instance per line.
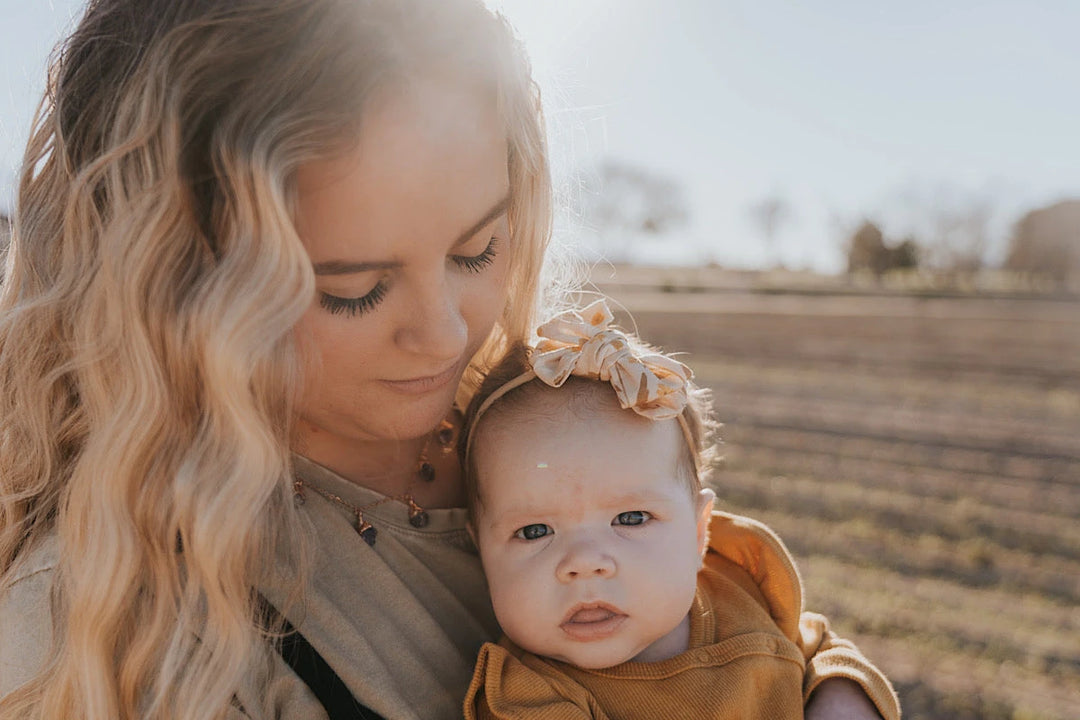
x=521, y=514
x=639, y=497
x=622, y=503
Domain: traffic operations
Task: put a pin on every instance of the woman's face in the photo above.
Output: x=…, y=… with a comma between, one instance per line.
x=409, y=238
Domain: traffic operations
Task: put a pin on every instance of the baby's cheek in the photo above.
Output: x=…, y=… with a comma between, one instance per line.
x=672, y=576
x=503, y=586
x=517, y=598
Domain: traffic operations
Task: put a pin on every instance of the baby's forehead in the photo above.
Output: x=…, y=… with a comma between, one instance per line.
x=573, y=430
x=585, y=406
x=578, y=397
x=579, y=422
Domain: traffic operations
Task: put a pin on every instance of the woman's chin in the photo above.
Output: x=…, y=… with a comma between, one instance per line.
x=419, y=415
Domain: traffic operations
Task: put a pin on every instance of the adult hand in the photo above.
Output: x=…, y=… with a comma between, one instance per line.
x=840, y=699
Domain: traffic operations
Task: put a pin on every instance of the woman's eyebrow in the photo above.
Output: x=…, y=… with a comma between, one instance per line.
x=342, y=267
x=496, y=210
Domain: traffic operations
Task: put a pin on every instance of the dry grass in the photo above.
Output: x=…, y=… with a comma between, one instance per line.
x=920, y=456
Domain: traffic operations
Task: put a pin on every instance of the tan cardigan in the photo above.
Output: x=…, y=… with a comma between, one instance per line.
x=753, y=654
x=401, y=622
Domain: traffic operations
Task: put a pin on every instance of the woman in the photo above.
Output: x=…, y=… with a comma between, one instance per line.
x=259, y=248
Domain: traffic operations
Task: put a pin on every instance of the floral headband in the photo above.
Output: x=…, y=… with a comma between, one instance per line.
x=586, y=343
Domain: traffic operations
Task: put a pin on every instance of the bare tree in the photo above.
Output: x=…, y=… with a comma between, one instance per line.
x=954, y=225
x=629, y=199
x=625, y=205
x=961, y=236
x=770, y=214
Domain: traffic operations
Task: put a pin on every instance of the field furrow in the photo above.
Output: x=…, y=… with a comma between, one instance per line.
x=921, y=458
x=976, y=562
x=1003, y=435
x=1050, y=407
x=939, y=453
x=964, y=621
x=784, y=456
x=963, y=519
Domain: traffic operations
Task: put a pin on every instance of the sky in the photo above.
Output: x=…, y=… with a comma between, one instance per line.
x=903, y=113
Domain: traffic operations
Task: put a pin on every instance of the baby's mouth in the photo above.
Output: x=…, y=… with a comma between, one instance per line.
x=592, y=621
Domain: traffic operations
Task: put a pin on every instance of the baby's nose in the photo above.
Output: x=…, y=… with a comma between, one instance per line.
x=585, y=561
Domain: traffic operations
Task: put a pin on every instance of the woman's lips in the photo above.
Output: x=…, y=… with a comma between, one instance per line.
x=424, y=384
x=592, y=621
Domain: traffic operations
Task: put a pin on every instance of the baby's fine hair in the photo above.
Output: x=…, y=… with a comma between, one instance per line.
x=521, y=403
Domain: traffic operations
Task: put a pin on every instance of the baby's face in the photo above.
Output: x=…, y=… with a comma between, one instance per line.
x=590, y=540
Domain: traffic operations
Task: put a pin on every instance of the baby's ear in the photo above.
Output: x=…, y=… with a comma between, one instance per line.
x=706, y=497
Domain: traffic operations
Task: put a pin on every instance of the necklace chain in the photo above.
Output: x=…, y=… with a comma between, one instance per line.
x=418, y=516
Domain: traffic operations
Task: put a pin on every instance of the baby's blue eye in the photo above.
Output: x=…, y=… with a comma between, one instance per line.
x=533, y=532
x=633, y=517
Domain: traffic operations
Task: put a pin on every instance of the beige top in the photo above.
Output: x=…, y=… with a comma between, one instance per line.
x=401, y=622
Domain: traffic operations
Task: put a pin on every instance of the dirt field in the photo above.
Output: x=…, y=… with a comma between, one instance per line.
x=921, y=458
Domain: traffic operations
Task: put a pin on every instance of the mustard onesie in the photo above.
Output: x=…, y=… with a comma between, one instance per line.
x=753, y=652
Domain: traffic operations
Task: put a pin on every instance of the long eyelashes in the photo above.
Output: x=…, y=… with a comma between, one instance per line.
x=351, y=307
x=476, y=263
x=354, y=306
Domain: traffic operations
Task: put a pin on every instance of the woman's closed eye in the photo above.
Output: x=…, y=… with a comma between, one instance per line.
x=533, y=532
x=352, y=307
x=476, y=263
x=632, y=517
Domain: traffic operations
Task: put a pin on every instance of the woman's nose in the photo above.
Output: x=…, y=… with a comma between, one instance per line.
x=435, y=326
x=585, y=560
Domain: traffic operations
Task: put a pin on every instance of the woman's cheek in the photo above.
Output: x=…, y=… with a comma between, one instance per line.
x=483, y=306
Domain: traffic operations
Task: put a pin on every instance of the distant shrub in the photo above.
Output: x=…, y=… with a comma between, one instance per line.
x=904, y=256
x=867, y=250
x=1046, y=242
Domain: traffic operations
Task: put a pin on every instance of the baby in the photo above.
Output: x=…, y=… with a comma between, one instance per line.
x=621, y=593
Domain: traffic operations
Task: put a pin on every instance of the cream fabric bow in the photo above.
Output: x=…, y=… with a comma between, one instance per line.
x=586, y=344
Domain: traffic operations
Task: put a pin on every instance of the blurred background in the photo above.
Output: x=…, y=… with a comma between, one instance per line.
x=861, y=223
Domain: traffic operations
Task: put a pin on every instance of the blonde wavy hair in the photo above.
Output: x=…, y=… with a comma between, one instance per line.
x=147, y=362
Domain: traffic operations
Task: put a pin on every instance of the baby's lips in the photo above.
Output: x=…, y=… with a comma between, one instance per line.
x=591, y=612
x=591, y=615
x=589, y=622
